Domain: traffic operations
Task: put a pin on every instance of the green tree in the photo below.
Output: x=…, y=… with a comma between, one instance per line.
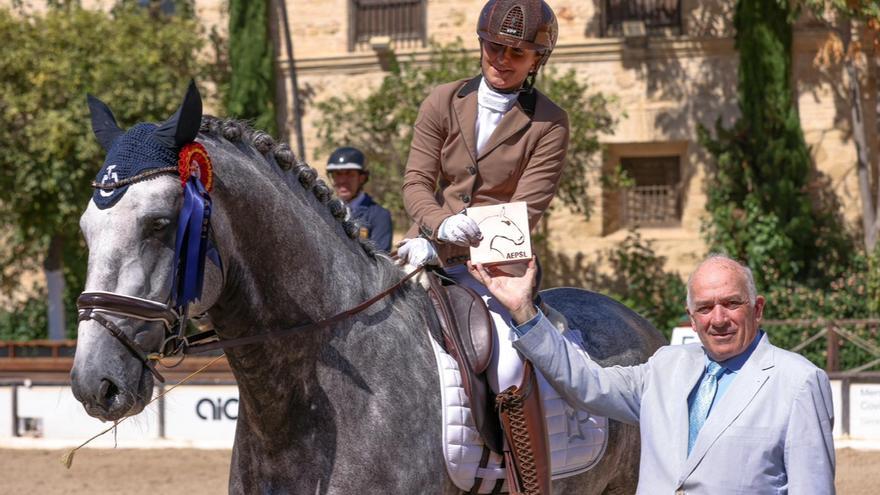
x=381, y=123
x=758, y=191
x=639, y=281
x=856, y=26
x=48, y=154
x=251, y=93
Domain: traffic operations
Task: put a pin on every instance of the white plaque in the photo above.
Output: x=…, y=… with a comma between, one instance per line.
x=505, y=229
x=864, y=410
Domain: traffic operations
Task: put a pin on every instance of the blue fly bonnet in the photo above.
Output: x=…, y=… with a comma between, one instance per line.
x=149, y=149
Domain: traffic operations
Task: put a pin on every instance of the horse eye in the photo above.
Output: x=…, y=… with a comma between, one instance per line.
x=160, y=224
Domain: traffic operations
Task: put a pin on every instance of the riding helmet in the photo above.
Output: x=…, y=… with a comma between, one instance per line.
x=347, y=158
x=528, y=24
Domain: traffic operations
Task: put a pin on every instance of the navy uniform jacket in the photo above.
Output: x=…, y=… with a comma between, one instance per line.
x=374, y=222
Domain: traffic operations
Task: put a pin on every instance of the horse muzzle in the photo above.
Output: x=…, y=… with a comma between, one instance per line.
x=106, y=380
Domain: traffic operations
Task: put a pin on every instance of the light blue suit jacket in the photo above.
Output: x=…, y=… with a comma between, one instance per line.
x=769, y=433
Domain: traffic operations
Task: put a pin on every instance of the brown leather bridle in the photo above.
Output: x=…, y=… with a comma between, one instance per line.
x=94, y=305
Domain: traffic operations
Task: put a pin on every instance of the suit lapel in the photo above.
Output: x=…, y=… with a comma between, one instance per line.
x=513, y=121
x=464, y=105
x=742, y=391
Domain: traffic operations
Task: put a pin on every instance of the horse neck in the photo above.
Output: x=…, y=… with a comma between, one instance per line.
x=287, y=261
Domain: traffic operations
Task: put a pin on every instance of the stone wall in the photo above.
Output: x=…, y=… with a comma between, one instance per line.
x=665, y=88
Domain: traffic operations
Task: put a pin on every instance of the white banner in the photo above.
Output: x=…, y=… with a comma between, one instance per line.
x=837, y=407
x=53, y=413
x=864, y=410
x=205, y=415
x=6, y=412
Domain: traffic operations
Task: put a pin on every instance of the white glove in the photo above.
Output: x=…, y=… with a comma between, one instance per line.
x=460, y=230
x=417, y=252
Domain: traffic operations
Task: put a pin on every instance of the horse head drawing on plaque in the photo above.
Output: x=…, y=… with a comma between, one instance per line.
x=199, y=215
x=505, y=232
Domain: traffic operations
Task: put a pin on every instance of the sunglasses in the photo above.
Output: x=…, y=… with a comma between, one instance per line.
x=494, y=50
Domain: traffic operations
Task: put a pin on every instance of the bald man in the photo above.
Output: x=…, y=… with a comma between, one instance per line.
x=731, y=414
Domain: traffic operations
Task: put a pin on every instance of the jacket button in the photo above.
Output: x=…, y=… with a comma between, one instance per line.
x=472, y=170
x=465, y=198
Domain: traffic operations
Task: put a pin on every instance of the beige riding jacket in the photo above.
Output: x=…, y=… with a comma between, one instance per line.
x=522, y=161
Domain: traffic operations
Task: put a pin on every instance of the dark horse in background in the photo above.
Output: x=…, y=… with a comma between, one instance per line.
x=352, y=408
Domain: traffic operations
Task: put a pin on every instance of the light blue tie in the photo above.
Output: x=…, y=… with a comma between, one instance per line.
x=702, y=402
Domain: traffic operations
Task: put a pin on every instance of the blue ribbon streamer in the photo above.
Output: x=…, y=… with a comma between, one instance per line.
x=193, y=244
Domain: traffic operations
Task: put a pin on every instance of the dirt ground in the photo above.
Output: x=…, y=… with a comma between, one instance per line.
x=199, y=472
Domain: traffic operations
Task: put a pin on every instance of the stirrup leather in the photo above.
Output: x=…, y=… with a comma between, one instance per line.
x=528, y=454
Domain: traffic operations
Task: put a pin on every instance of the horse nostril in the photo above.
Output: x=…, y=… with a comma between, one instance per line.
x=108, y=390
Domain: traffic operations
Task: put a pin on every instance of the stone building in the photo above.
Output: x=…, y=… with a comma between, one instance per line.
x=671, y=64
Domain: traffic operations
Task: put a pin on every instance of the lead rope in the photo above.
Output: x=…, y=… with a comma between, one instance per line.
x=67, y=459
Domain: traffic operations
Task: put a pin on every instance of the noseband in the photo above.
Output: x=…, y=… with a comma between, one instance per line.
x=96, y=304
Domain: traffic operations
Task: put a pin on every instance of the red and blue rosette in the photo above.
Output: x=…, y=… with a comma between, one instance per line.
x=193, y=161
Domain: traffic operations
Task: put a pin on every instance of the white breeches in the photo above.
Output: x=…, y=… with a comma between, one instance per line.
x=506, y=367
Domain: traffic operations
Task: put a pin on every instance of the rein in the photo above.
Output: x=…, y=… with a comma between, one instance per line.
x=94, y=305
x=286, y=332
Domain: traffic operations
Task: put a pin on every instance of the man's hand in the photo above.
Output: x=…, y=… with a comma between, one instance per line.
x=460, y=230
x=513, y=292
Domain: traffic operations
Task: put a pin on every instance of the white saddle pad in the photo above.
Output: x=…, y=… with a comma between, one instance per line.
x=577, y=439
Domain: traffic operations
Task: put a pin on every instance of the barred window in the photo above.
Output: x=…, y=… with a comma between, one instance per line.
x=659, y=17
x=655, y=199
x=404, y=21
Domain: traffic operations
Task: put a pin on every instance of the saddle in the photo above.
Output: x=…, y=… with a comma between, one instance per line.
x=467, y=337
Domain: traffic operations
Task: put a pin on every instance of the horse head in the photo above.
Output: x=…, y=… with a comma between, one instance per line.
x=129, y=227
x=269, y=213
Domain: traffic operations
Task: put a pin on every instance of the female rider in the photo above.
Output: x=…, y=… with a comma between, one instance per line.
x=488, y=140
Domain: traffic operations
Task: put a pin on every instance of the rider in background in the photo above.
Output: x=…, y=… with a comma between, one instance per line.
x=488, y=140
x=348, y=172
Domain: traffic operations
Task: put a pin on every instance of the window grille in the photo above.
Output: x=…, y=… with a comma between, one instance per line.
x=660, y=17
x=655, y=199
x=403, y=21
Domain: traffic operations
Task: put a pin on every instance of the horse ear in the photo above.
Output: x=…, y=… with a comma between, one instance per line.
x=103, y=123
x=183, y=126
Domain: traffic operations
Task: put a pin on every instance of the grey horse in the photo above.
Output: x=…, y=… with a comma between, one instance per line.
x=351, y=408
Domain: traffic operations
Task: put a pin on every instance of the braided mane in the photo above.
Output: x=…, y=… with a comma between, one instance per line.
x=280, y=155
